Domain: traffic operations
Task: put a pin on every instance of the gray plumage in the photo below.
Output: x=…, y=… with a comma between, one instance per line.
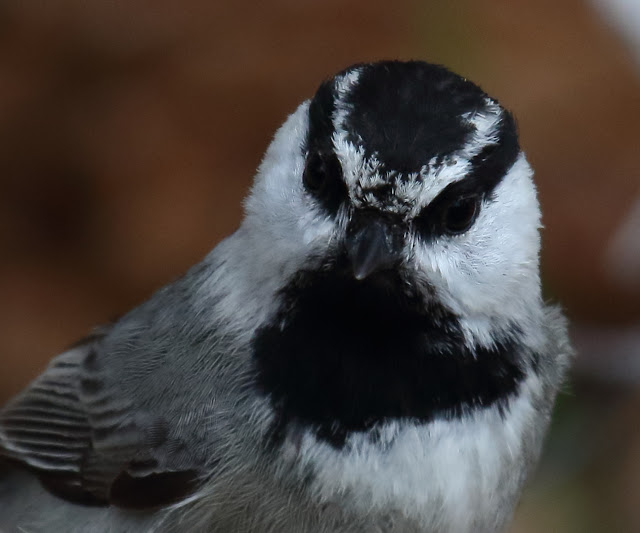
x=181, y=416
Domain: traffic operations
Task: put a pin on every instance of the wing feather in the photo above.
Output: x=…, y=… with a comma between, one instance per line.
x=85, y=441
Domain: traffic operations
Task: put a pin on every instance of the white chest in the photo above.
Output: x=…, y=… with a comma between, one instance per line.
x=452, y=476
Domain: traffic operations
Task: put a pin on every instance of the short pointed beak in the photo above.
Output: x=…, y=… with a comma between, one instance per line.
x=372, y=246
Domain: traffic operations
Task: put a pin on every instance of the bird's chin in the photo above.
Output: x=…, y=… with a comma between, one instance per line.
x=394, y=283
x=389, y=282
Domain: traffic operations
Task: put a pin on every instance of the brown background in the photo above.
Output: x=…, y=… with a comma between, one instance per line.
x=130, y=131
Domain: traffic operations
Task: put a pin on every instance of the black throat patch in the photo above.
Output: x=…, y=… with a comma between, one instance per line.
x=343, y=356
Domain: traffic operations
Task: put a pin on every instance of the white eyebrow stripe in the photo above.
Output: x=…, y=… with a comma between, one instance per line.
x=486, y=131
x=343, y=86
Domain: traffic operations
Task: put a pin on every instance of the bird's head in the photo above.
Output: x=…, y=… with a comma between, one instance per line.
x=400, y=212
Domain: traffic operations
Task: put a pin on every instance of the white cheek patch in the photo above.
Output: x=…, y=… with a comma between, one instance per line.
x=277, y=187
x=489, y=275
x=278, y=204
x=312, y=232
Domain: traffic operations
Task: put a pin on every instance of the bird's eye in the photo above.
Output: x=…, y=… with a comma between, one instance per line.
x=323, y=179
x=314, y=173
x=460, y=214
x=320, y=170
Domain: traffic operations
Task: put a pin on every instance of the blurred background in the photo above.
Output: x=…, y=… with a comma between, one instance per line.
x=130, y=132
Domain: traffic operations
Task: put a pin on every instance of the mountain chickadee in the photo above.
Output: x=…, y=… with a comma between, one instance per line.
x=368, y=352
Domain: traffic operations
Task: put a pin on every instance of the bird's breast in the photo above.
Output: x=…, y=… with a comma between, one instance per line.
x=343, y=356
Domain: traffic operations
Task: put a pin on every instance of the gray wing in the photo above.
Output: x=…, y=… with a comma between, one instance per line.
x=88, y=440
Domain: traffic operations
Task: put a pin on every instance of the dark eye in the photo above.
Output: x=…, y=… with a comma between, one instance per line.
x=314, y=173
x=460, y=214
x=320, y=170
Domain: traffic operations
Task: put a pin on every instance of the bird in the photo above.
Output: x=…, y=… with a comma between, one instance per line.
x=369, y=351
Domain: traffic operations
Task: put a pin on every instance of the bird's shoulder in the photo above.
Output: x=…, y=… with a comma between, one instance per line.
x=128, y=415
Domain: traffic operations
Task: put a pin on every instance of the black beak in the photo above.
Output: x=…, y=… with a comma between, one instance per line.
x=373, y=244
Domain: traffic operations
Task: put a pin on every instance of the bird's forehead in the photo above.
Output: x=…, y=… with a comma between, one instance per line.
x=370, y=184
x=402, y=131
